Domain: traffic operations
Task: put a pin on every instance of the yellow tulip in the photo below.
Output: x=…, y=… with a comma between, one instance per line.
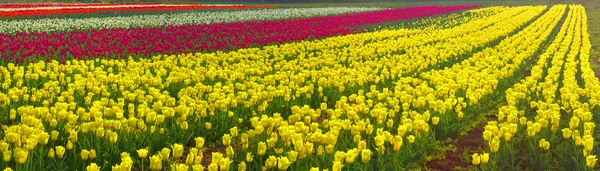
x=242, y=166
x=207, y=125
x=224, y=164
x=351, y=156
x=271, y=162
x=337, y=166
x=435, y=120
x=339, y=156
x=142, y=153
x=84, y=154
x=199, y=142
x=292, y=156
x=544, y=144
x=485, y=157
x=165, y=153
x=366, y=155
x=69, y=145
x=60, y=151
x=213, y=167
x=7, y=155
x=475, y=159
x=283, y=163
x=51, y=153
x=156, y=162
x=226, y=139
x=411, y=139
x=198, y=167
x=229, y=151
x=4, y=146
x=262, y=148
x=190, y=158
x=591, y=161
x=249, y=157
x=92, y=154
x=177, y=150
x=21, y=155
x=93, y=167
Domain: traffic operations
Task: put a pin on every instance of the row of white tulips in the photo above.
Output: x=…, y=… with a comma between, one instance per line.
x=154, y=20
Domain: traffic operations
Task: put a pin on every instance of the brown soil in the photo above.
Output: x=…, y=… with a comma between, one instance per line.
x=207, y=154
x=471, y=142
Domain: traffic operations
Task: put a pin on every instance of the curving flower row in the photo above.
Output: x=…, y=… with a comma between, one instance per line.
x=554, y=108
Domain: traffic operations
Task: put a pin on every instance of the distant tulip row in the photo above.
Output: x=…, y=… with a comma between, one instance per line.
x=156, y=20
x=123, y=43
x=36, y=10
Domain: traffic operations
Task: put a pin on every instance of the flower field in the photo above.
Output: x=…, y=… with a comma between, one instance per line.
x=338, y=88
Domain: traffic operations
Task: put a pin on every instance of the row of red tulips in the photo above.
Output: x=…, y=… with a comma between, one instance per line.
x=122, y=43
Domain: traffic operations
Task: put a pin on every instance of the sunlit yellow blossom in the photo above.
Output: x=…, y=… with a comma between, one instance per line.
x=69, y=145
x=242, y=166
x=271, y=162
x=485, y=157
x=198, y=167
x=591, y=161
x=262, y=148
x=177, y=150
x=224, y=164
x=155, y=162
x=366, y=155
x=435, y=120
x=476, y=159
x=93, y=167
x=207, y=125
x=283, y=163
x=84, y=154
x=249, y=157
x=142, y=153
x=411, y=139
x=226, y=139
x=21, y=155
x=7, y=155
x=165, y=153
x=544, y=144
x=213, y=167
x=337, y=166
x=92, y=154
x=51, y=153
x=229, y=151
x=60, y=151
x=199, y=142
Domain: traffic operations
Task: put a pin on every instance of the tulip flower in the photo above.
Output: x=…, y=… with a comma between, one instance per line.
x=476, y=159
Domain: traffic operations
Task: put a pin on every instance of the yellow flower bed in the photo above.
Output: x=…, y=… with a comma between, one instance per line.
x=371, y=101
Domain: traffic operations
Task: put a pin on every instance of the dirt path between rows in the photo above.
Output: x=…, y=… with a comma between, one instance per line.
x=470, y=143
